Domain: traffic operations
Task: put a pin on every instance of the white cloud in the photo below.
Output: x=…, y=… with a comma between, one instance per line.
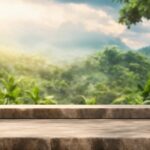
x=15, y=14
x=138, y=36
x=146, y=23
x=39, y=21
x=133, y=43
x=93, y=19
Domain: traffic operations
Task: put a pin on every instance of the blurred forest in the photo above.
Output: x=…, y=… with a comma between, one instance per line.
x=110, y=76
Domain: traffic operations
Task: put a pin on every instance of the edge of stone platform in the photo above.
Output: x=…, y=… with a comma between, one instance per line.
x=74, y=112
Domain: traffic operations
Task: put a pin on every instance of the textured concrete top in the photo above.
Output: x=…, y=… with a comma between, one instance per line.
x=74, y=112
x=74, y=134
x=74, y=128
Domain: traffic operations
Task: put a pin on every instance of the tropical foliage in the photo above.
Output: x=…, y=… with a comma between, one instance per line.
x=133, y=11
x=110, y=76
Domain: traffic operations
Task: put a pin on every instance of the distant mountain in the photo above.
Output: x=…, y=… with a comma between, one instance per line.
x=69, y=42
x=145, y=50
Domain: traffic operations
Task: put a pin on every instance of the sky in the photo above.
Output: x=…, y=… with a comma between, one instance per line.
x=55, y=26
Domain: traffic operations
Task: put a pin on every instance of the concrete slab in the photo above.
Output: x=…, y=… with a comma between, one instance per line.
x=72, y=134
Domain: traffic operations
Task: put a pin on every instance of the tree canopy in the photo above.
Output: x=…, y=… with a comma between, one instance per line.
x=133, y=11
x=111, y=75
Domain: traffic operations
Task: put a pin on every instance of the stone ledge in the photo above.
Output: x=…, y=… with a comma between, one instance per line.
x=74, y=144
x=74, y=134
x=74, y=112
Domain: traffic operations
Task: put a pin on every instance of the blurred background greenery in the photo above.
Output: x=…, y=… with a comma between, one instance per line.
x=110, y=76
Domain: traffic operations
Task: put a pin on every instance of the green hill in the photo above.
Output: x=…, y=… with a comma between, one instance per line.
x=108, y=76
x=145, y=51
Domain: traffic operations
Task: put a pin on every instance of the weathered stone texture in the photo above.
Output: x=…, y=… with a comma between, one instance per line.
x=74, y=144
x=75, y=112
x=98, y=127
x=72, y=134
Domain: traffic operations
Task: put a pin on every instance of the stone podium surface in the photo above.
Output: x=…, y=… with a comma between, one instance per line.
x=74, y=127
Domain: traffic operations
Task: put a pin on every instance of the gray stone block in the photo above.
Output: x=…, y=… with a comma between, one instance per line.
x=75, y=112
